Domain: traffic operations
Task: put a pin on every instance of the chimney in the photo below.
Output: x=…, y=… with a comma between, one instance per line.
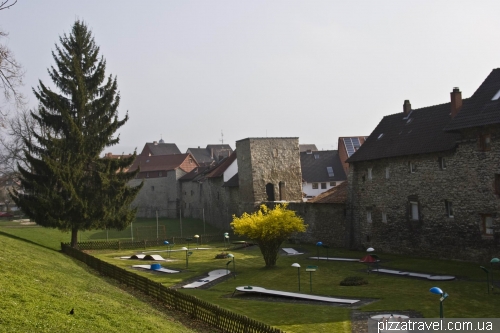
x=406, y=107
x=456, y=102
x=155, y=143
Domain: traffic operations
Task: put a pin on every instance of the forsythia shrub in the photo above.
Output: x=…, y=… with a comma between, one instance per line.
x=269, y=227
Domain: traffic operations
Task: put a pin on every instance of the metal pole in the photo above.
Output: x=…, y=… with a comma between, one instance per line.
x=203, y=211
x=157, y=224
x=441, y=308
x=298, y=275
x=180, y=219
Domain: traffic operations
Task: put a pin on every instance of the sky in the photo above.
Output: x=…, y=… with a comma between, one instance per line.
x=190, y=71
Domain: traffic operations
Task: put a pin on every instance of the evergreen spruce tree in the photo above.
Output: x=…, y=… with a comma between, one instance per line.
x=67, y=185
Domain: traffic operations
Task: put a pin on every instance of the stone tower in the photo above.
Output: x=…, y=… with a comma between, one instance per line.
x=268, y=170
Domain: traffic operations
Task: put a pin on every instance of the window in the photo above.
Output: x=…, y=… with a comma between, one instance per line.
x=414, y=210
x=275, y=152
x=152, y=188
x=412, y=167
x=323, y=186
x=332, y=184
x=316, y=156
x=369, y=173
x=497, y=184
x=147, y=175
x=160, y=174
x=384, y=217
x=442, y=163
x=484, y=142
x=449, y=208
x=369, y=215
x=387, y=173
x=315, y=186
x=330, y=172
x=487, y=224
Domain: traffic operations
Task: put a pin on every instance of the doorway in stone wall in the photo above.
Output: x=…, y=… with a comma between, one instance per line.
x=270, y=192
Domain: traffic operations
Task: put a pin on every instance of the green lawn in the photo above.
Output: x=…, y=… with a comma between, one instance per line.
x=52, y=238
x=40, y=286
x=468, y=294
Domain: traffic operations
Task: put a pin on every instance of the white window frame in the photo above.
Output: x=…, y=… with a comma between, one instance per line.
x=369, y=215
x=384, y=216
x=485, y=230
x=370, y=174
x=414, y=211
x=449, y=208
x=442, y=163
x=413, y=167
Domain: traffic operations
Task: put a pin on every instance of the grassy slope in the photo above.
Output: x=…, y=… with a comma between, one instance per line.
x=40, y=286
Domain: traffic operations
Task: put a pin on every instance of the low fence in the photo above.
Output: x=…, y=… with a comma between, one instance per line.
x=142, y=244
x=197, y=309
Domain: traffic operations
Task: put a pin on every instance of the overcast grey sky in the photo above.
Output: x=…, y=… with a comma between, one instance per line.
x=316, y=70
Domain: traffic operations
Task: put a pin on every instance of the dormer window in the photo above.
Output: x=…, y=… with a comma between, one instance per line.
x=309, y=152
x=330, y=172
x=497, y=96
x=316, y=156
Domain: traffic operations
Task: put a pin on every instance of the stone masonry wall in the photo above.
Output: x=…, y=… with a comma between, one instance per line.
x=263, y=161
x=467, y=182
x=158, y=194
x=326, y=223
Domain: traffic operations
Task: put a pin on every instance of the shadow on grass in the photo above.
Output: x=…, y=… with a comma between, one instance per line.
x=26, y=240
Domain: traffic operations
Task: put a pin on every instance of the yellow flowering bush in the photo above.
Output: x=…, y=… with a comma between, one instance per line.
x=269, y=227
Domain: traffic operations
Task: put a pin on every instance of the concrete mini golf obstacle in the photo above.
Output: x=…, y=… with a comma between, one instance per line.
x=156, y=268
x=213, y=275
x=260, y=290
x=417, y=275
x=291, y=252
x=334, y=259
x=156, y=257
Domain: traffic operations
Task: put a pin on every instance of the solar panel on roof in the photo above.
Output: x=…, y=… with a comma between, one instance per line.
x=351, y=145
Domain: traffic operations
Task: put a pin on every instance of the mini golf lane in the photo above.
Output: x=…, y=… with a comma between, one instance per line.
x=213, y=275
x=260, y=290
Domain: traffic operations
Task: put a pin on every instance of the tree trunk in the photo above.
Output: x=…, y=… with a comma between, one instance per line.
x=270, y=250
x=74, y=237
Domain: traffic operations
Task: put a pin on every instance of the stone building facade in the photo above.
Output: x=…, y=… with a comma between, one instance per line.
x=161, y=190
x=268, y=170
x=420, y=185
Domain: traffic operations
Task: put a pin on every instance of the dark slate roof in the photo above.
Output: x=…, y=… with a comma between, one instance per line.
x=162, y=148
x=158, y=162
x=314, y=169
x=337, y=194
x=480, y=109
x=397, y=135
x=233, y=182
x=218, y=170
x=196, y=172
x=210, y=153
x=306, y=147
